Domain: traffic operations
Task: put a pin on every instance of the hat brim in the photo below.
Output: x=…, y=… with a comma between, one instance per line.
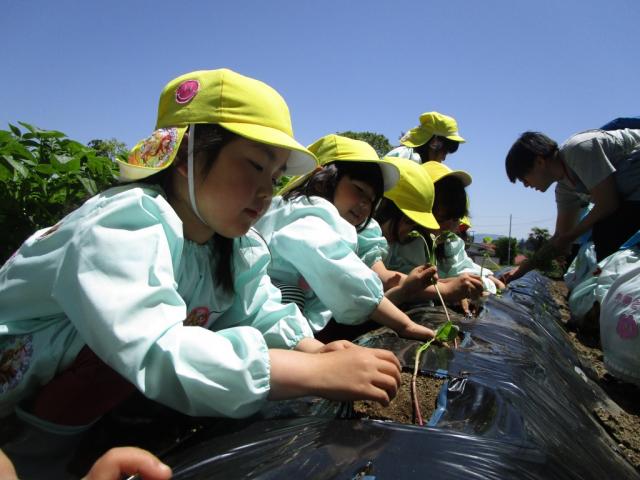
x=152, y=150
x=456, y=138
x=424, y=219
x=300, y=160
x=464, y=177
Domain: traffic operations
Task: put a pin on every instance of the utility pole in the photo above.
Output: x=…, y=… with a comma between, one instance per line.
x=509, y=243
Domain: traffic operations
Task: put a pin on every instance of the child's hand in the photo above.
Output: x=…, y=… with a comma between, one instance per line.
x=358, y=374
x=419, y=278
x=465, y=304
x=416, y=331
x=336, y=345
x=128, y=461
x=464, y=285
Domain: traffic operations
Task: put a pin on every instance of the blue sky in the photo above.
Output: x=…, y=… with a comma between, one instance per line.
x=500, y=67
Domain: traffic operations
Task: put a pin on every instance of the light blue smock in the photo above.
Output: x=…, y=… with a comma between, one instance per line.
x=406, y=256
x=456, y=261
x=118, y=275
x=314, y=248
x=372, y=246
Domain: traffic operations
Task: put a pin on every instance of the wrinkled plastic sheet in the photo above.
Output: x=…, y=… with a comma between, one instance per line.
x=516, y=403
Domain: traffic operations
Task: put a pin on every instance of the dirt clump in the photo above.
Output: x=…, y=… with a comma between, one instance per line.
x=401, y=409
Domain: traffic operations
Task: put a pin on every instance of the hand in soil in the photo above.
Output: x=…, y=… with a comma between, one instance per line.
x=357, y=373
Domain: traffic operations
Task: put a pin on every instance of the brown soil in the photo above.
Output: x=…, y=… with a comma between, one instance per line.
x=401, y=409
x=623, y=425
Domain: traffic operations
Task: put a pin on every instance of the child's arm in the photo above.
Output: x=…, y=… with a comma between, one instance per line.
x=454, y=289
x=389, y=278
x=355, y=373
x=411, y=286
x=391, y=316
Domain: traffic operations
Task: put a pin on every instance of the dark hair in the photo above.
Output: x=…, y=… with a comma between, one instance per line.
x=450, y=198
x=524, y=151
x=388, y=211
x=209, y=138
x=323, y=183
x=451, y=146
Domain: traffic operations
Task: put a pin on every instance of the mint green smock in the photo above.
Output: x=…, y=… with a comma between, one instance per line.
x=372, y=246
x=118, y=276
x=404, y=257
x=456, y=261
x=314, y=248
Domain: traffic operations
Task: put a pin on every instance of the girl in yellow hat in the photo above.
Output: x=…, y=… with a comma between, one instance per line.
x=312, y=235
x=432, y=140
x=161, y=285
x=393, y=252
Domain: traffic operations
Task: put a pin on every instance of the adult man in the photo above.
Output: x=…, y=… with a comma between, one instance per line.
x=596, y=166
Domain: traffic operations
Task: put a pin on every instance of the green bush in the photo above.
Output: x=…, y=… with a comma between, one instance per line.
x=43, y=176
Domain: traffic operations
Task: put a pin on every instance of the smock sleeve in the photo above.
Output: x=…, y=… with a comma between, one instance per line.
x=372, y=246
x=457, y=261
x=116, y=283
x=331, y=268
x=257, y=302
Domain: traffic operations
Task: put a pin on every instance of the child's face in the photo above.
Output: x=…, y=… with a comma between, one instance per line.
x=446, y=224
x=354, y=200
x=405, y=227
x=238, y=188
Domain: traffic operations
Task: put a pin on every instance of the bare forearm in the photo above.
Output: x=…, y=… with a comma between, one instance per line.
x=291, y=374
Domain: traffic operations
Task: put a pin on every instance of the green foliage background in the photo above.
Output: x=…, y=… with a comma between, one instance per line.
x=379, y=142
x=43, y=176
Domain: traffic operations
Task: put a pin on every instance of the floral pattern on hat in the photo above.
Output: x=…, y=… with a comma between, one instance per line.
x=156, y=150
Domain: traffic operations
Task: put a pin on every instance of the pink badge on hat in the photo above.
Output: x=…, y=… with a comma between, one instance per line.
x=187, y=90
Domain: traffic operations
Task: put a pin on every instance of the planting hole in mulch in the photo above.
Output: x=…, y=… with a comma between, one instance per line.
x=401, y=409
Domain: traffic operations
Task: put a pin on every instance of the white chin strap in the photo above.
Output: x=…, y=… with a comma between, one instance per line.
x=192, y=191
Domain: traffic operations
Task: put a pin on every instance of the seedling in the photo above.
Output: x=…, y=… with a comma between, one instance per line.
x=445, y=333
x=431, y=260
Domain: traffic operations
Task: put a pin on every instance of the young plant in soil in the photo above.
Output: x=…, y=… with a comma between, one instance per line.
x=445, y=333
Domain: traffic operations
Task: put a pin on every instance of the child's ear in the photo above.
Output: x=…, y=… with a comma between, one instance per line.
x=180, y=162
x=181, y=167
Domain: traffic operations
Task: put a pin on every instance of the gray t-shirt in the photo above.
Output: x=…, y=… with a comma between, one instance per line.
x=592, y=156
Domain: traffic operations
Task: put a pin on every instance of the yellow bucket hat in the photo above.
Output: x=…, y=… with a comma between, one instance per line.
x=432, y=123
x=414, y=193
x=331, y=148
x=242, y=105
x=438, y=170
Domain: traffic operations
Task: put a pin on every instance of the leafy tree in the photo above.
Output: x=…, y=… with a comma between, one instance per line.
x=43, y=176
x=111, y=148
x=379, y=142
x=487, y=240
x=502, y=249
x=537, y=237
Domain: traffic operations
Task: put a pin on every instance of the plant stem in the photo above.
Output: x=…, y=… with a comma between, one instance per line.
x=414, y=390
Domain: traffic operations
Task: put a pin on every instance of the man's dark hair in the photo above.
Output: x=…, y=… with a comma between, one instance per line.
x=524, y=151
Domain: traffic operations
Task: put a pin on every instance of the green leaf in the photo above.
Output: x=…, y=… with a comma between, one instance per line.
x=89, y=185
x=447, y=332
x=17, y=166
x=45, y=169
x=16, y=131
